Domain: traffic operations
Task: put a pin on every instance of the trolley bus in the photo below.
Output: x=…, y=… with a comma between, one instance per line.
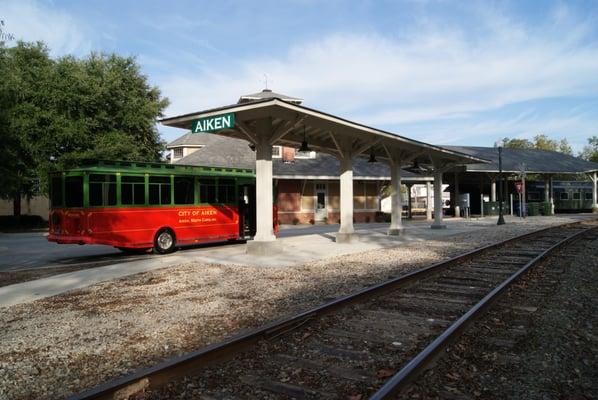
x=137, y=206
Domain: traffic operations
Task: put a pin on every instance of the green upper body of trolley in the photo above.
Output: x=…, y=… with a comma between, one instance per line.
x=141, y=184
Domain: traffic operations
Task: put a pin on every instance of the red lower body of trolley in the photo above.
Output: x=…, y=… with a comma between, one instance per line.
x=137, y=228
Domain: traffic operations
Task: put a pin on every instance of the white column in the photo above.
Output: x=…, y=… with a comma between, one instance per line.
x=428, y=201
x=264, y=241
x=493, y=189
x=396, y=223
x=457, y=208
x=346, y=231
x=546, y=190
x=438, y=201
x=551, y=196
x=595, y=193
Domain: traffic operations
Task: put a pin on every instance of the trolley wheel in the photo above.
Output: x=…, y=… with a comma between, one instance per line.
x=164, y=241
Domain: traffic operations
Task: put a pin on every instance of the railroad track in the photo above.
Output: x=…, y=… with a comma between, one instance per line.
x=370, y=343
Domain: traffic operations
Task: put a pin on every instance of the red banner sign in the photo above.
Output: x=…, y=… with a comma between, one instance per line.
x=519, y=187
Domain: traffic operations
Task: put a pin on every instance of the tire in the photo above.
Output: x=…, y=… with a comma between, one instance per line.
x=164, y=242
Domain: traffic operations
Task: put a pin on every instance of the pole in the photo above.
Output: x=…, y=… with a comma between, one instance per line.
x=501, y=218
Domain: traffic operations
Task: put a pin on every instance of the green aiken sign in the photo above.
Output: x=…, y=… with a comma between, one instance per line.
x=212, y=124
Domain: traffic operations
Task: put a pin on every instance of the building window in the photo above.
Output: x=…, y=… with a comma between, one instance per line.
x=564, y=196
x=576, y=196
x=178, y=152
x=276, y=151
x=588, y=195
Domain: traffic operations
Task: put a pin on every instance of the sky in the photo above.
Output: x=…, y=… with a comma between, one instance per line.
x=444, y=72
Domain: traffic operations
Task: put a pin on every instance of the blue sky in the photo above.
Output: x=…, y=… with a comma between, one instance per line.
x=446, y=72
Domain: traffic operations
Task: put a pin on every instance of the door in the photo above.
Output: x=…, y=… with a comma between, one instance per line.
x=321, y=206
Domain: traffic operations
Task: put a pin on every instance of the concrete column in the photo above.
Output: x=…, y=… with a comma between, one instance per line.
x=428, y=201
x=493, y=189
x=264, y=241
x=409, y=200
x=595, y=193
x=546, y=190
x=438, y=201
x=457, y=208
x=551, y=196
x=346, y=232
x=396, y=224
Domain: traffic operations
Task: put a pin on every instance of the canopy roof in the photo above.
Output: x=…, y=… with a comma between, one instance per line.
x=226, y=152
x=536, y=161
x=293, y=123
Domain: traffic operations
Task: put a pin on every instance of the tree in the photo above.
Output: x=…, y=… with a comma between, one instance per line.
x=65, y=111
x=590, y=151
x=540, y=142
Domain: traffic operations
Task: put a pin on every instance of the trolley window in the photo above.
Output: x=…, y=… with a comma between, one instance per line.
x=576, y=196
x=207, y=190
x=226, y=191
x=588, y=195
x=102, y=190
x=159, y=190
x=132, y=190
x=183, y=190
x=73, y=191
x=56, y=191
x=564, y=196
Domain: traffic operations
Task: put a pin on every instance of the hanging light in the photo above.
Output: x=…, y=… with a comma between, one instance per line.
x=416, y=168
x=372, y=157
x=304, y=147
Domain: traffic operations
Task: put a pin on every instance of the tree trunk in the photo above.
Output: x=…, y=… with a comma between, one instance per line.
x=16, y=205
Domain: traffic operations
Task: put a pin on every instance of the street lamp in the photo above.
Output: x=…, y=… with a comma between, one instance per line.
x=501, y=218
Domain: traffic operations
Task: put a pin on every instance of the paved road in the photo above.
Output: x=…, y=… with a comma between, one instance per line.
x=19, y=251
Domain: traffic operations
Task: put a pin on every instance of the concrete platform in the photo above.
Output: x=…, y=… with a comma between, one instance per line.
x=300, y=243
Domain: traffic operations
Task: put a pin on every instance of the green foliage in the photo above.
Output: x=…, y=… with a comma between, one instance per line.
x=56, y=113
x=590, y=151
x=540, y=142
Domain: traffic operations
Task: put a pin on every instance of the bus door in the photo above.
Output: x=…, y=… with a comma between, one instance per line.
x=247, y=210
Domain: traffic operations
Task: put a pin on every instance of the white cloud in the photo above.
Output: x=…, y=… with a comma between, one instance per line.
x=426, y=74
x=30, y=20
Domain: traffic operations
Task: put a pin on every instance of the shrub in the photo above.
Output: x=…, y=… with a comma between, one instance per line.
x=295, y=221
x=367, y=219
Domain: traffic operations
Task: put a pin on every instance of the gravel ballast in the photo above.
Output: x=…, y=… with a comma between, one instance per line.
x=538, y=342
x=57, y=346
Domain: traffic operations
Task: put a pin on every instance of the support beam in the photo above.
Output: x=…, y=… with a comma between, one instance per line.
x=457, y=208
x=438, y=200
x=346, y=232
x=595, y=193
x=409, y=201
x=396, y=208
x=428, y=201
x=546, y=189
x=264, y=241
x=551, y=195
x=244, y=129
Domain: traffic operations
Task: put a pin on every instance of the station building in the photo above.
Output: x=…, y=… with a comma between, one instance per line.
x=306, y=184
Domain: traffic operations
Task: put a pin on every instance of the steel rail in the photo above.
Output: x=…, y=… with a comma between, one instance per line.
x=156, y=376
x=419, y=363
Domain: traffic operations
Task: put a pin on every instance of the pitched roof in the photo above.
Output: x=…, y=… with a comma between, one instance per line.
x=221, y=151
x=268, y=94
x=536, y=161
